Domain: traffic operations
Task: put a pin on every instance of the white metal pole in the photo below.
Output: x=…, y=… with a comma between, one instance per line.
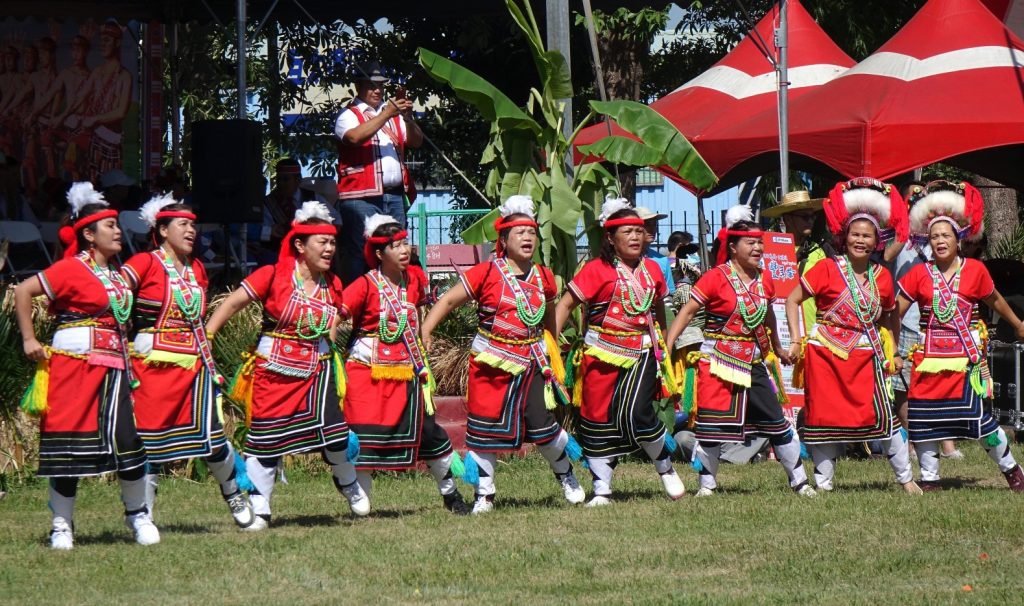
x=782, y=43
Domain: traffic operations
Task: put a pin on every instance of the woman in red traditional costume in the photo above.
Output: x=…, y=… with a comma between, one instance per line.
x=849, y=348
x=621, y=368
x=82, y=387
x=950, y=377
x=290, y=383
x=176, y=404
x=389, y=399
x=512, y=383
x=738, y=387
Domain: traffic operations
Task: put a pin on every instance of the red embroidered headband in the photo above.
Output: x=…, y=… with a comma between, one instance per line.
x=176, y=214
x=368, y=256
x=610, y=223
x=67, y=233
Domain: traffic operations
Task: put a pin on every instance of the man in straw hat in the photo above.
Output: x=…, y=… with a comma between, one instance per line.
x=373, y=135
x=799, y=212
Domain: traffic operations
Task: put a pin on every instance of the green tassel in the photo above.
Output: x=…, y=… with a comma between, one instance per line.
x=993, y=439
x=458, y=468
x=689, y=389
x=977, y=383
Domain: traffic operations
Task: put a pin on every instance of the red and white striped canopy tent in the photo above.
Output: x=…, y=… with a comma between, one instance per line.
x=948, y=87
x=743, y=83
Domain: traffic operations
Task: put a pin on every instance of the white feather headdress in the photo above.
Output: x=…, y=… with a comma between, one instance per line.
x=867, y=203
x=611, y=206
x=740, y=212
x=82, y=194
x=375, y=221
x=150, y=209
x=312, y=210
x=518, y=205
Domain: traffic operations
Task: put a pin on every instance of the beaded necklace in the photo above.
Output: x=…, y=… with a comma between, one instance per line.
x=944, y=314
x=629, y=284
x=866, y=310
x=529, y=317
x=184, y=289
x=319, y=327
x=751, y=319
x=397, y=301
x=118, y=293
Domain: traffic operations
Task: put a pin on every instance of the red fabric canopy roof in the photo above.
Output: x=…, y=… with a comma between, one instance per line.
x=947, y=87
x=743, y=83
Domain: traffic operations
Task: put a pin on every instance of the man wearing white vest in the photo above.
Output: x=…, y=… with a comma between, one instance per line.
x=372, y=138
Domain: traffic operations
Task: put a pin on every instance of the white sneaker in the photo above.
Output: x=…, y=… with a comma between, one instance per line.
x=241, y=509
x=824, y=487
x=142, y=525
x=357, y=499
x=258, y=523
x=956, y=455
x=599, y=501
x=61, y=536
x=673, y=485
x=484, y=503
x=705, y=492
x=571, y=489
x=807, y=491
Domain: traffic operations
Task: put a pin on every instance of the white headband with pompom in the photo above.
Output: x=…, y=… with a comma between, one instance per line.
x=518, y=205
x=375, y=221
x=312, y=210
x=156, y=204
x=81, y=195
x=611, y=206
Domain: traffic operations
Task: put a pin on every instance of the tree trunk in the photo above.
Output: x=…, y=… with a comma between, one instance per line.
x=274, y=86
x=623, y=73
x=1001, y=211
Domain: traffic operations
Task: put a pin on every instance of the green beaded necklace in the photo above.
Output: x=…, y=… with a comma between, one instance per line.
x=319, y=327
x=751, y=319
x=184, y=289
x=627, y=291
x=944, y=314
x=530, y=318
x=387, y=295
x=118, y=293
x=866, y=310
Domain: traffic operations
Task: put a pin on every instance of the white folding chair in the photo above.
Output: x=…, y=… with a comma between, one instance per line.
x=23, y=232
x=135, y=229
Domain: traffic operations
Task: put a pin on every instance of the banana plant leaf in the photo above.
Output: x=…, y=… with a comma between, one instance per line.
x=551, y=65
x=483, y=230
x=659, y=134
x=493, y=104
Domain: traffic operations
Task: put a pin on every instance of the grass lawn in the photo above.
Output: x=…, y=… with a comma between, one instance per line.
x=865, y=543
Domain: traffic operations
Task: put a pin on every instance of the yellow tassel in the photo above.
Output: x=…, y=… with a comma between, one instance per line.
x=730, y=374
x=380, y=372
x=610, y=358
x=36, y=400
x=839, y=353
x=549, y=396
x=937, y=365
x=241, y=387
x=500, y=363
x=218, y=402
x=799, y=366
x=340, y=378
x=888, y=350
x=554, y=356
x=186, y=361
x=775, y=368
x=428, y=399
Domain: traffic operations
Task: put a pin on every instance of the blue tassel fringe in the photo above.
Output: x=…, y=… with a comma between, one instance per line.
x=241, y=475
x=472, y=473
x=352, y=454
x=573, y=449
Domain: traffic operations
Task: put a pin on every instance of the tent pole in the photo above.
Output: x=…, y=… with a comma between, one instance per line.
x=242, y=44
x=782, y=43
x=702, y=231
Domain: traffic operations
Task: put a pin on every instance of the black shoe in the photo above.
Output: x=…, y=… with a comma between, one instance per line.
x=453, y=502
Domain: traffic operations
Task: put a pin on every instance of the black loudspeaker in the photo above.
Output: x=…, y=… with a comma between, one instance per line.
x=227, y=175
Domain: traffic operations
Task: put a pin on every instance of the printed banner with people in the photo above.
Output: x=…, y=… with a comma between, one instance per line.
x=68, y=102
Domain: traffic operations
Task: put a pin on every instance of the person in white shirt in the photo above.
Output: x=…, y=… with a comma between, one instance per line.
x=372, y=135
